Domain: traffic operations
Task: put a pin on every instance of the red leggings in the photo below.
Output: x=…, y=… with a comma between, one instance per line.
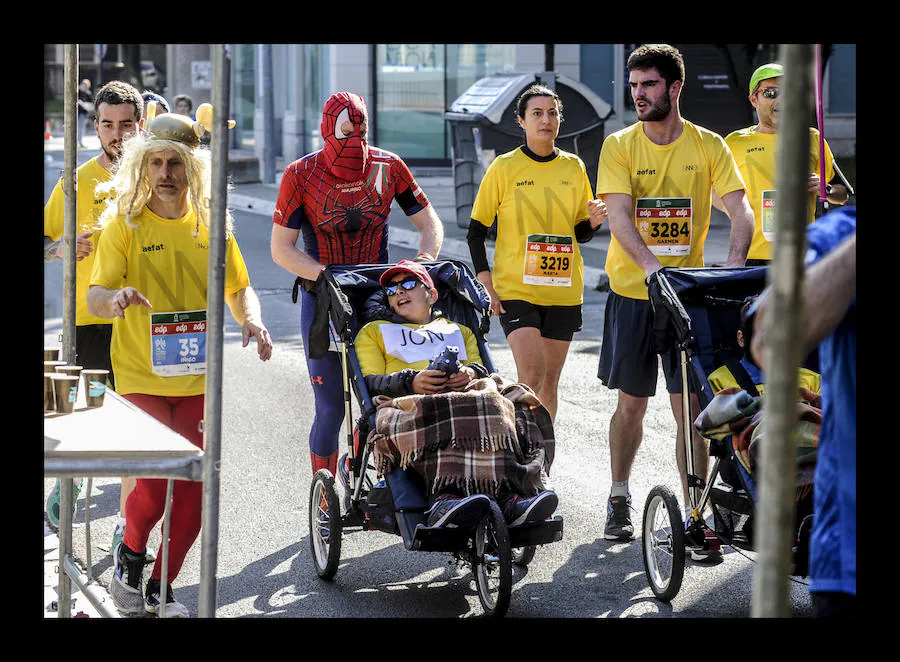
x=146, y=503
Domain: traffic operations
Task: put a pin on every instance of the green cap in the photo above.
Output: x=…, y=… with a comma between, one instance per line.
x=770, y=70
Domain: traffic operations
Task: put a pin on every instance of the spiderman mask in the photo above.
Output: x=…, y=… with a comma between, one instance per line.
x=344, y=124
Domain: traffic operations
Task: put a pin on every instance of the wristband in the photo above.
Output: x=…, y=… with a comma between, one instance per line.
x=422, y=256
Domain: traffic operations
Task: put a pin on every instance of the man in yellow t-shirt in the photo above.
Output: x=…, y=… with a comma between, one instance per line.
x=656, y=178
x=150, y=278
x=119, y=108
x=755, y=148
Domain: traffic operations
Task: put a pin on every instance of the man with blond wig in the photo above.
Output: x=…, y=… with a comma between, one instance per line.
x=150, y=278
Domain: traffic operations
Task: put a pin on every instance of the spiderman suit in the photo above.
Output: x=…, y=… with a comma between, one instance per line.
x=339, y=198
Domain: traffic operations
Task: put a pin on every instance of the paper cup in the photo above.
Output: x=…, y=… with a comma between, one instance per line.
x=73, y=370
x=51, y=353
x=50, y=366
x=65, y=390
x=94, y=386
x=49, y=397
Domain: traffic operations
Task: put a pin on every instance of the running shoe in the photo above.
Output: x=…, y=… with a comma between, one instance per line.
x=128, y=575
x=518, y=510
x=618, y=519
x=53, y=501
x=711, y=550
x=174, y=609
x=452, y=512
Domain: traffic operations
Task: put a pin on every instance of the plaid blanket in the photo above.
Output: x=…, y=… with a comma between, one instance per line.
x=492, y=434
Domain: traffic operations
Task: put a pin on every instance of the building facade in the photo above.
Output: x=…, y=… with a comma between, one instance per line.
x=408, y=87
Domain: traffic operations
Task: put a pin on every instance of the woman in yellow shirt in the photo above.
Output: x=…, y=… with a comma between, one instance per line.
x=540, y=196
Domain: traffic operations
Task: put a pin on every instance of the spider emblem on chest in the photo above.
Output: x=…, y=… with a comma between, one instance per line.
x=363, y=211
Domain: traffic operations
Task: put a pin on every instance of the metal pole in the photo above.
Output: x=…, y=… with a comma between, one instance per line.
x=212, y=427
x=786, y=310
x=64, y=586
x=70, y=190
x=267, y=103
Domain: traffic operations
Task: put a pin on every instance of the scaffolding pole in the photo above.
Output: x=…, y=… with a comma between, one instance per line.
x=70, y=192
x=786, y=310
x=212, y=425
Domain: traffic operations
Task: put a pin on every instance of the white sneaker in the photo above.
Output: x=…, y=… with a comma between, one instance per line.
x=174, y=609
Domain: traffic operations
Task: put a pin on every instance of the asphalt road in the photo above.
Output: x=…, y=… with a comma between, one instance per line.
x=264, y=565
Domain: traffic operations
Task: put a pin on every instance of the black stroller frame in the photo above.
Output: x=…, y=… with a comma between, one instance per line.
x=708, y=301
x=398, y=506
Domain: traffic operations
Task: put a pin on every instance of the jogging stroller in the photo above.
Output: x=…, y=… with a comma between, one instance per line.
x=704, y=304
x=397, y=504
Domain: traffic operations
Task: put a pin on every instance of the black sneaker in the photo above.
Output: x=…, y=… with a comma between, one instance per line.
x=452, y=512
x=174, y=609
x=618, y=519
x=518, y=510
x=128, y=576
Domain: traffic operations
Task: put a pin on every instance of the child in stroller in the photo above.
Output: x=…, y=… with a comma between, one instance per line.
x=395, y=354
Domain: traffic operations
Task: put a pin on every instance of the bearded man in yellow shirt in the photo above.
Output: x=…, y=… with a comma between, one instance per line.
x=119, y=108
x=656, y=178
x=755, y=148
x=150, y=278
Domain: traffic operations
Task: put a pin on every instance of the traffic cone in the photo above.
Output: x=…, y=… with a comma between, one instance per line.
x=47, y=135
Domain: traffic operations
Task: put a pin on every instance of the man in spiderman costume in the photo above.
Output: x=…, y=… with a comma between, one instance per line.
x=340, y=197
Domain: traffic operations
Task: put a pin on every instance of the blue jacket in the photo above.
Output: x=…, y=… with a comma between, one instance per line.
x=832, y=558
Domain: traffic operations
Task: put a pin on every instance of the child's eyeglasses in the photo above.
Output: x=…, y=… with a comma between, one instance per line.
x=769, y=92
x=409, y=284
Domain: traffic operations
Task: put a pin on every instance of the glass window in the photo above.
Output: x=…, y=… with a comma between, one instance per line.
x=244, y=93
x=416, y=83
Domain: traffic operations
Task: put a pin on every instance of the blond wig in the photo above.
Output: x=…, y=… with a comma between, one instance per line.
x=129, y=189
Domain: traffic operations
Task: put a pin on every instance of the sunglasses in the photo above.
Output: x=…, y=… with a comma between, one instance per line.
x=769, y=92
x=408, y=284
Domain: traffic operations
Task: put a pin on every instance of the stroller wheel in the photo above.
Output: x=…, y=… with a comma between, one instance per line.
x=523, y=555
x=492, y=563
x=663, y=543
x=325, y=524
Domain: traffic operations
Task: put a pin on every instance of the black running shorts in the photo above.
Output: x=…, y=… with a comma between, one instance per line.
x=627, y=359
x=556, y=322
x=92, y=348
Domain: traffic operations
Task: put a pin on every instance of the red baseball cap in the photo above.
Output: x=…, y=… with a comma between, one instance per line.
x=408, y=267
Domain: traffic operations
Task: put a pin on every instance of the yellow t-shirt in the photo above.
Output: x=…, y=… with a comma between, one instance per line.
x=384, y=347
x=88, y=208
x=537, y=205
x=722, y=378
x=670, y=186
x=167, y=265
x=754, y=153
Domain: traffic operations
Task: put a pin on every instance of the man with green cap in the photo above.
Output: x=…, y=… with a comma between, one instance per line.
x=754, y=150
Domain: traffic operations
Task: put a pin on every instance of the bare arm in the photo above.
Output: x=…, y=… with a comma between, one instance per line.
x=431, y=230
x=738, y=210
x=106, y=303
x=290, y=258
x=830, y=288
x=53, y=250
x=717, y=203
x=245, y=308
x=621, y=224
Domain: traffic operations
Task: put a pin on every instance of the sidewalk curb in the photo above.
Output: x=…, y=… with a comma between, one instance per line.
x=594, y=278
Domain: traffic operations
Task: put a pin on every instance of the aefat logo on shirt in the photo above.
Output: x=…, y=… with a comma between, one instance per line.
x=755, y=149
x=152, y=248
x=646, y=171
x=525, y=182
x=411, y=345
